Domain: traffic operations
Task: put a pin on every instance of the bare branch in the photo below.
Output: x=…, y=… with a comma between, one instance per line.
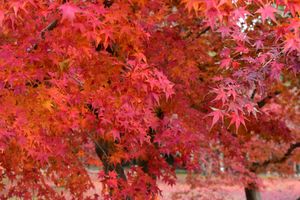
x=203, y=31
x=98, y=145
x=50, y=27
x=255, y=166
x=263, y=102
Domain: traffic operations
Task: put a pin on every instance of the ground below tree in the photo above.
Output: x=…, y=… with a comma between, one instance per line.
x=275, y=188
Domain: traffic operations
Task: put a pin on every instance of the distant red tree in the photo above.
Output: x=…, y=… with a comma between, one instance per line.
x=147, y=85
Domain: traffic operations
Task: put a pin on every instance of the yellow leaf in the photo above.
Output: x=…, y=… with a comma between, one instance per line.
x=48, y=105
x=64, y=65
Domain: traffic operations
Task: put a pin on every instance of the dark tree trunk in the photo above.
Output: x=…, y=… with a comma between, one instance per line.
x=103, y=149
x=252, y=193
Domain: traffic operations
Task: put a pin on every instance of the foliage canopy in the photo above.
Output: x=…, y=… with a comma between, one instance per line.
x=151, y=85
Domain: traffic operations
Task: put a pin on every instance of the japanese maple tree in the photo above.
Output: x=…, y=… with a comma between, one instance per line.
x=140, y=88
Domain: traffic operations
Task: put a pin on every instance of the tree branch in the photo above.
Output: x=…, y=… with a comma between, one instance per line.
x=263, y=102
x=253, y=94
x=50, y=27
x=255, y=166
x=203, y=31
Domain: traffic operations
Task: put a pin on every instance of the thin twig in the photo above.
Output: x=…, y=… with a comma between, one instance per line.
x=203, y=31
x=79, y=82
x=271, y=59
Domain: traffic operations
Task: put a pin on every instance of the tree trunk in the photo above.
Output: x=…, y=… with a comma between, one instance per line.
x=252, y=193
x=103, y=148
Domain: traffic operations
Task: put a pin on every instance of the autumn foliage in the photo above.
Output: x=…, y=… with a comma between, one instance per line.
x=142, y=87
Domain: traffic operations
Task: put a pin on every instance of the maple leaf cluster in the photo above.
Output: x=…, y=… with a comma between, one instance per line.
x=150, y=85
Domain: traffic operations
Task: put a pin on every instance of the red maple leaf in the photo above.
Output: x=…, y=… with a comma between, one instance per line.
x=128, y=82
x=112, y=180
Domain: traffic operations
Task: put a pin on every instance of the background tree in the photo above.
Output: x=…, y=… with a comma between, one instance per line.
x=151, y=85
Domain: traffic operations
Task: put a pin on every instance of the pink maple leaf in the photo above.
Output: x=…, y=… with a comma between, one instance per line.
x=224, y=30
x=225, y=63
x=291, y=43
x=1, y=18
x=250, y=107
x=242, y=49
x=217, y=114
x=237, y=119
x=267, y=11
x=276, y=69
x=221, y=95
x=240, y=13
x=116, y=134
x=69, y=11
x=258, y=44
